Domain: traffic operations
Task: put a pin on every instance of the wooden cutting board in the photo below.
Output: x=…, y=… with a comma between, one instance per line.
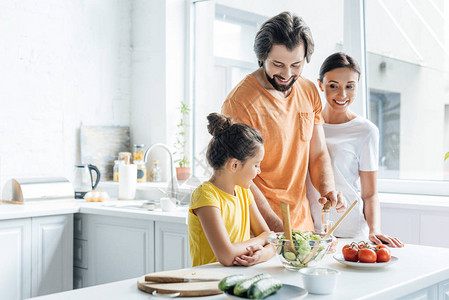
x=184, y=275
x=185, y=289
x=177, y=281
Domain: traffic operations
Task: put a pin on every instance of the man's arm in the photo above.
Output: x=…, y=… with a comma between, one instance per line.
x=270, y=217
x=320, y=170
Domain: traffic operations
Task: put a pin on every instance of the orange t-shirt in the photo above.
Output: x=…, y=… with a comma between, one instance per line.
x=287, y=126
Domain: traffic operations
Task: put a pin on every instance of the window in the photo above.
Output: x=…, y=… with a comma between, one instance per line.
x=403, y=48
x=408, y=65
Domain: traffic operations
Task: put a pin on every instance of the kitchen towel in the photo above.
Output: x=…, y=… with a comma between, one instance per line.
x=127, y=182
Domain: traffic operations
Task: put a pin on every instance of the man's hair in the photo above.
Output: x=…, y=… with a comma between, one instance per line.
x=284, y=29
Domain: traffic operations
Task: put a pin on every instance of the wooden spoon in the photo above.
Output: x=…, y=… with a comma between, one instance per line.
x=315, y=249
x=285, y=209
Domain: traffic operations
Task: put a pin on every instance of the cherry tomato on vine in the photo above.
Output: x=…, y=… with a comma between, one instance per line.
x=363, y=245
x=350, y=252
x=383, y=254
x=366, y=255
x=381, y=246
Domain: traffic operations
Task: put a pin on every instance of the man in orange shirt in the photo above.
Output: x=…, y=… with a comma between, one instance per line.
x=286, y=108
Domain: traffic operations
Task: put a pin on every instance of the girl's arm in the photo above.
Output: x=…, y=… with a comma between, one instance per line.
x=371, y=209
x=217, y=235
x=258, y=253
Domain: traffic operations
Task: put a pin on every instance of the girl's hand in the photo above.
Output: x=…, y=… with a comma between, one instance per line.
x=379, y=238
x=251, y=258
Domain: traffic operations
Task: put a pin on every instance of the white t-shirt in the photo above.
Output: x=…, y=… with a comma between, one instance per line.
x=353, y=147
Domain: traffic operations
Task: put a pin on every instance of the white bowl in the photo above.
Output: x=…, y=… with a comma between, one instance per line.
x=319, y=280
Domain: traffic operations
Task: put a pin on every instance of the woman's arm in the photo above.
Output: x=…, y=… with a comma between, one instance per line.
x=217, y=235
x=371, y=209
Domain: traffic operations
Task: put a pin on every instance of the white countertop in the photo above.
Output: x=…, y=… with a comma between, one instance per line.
x=117, y=208
x=418, y=267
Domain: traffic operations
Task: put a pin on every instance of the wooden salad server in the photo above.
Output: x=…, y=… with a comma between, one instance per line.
x=285, y=210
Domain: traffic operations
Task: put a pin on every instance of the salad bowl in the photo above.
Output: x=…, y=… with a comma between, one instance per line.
x=310, y=249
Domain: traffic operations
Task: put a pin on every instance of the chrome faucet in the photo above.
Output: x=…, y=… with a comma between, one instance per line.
x=172, y=193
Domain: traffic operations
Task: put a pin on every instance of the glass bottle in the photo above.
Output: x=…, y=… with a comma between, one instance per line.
x=141, y=171
x=325, y=218
x=117, y=164
x=155, y=174
x=125, y=156
x=138, y=151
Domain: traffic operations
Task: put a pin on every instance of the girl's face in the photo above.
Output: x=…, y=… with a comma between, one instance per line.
x=340, y=88
x=248, y=171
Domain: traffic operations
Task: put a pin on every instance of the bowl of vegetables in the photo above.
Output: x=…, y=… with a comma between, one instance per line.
x=305, y=249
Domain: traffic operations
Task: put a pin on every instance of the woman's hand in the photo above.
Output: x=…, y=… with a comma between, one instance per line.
x=251, y=258
x=380, y=238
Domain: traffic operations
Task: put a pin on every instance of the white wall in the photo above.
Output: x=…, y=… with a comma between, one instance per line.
x=158, y=69
x=62, y=63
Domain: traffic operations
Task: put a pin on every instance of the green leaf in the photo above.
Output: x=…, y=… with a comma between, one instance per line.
x=446, y=156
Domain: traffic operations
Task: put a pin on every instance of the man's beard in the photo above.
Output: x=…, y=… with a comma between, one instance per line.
x=279, y=87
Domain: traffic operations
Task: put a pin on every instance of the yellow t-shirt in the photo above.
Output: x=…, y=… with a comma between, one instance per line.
x=234, y=213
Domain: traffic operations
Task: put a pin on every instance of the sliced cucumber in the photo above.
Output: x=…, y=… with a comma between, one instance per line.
x=289, y=255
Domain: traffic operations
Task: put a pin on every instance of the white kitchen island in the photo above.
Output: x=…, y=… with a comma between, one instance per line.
x=421, y=273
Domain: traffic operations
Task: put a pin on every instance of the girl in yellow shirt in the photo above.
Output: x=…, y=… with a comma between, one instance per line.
x=222, y=211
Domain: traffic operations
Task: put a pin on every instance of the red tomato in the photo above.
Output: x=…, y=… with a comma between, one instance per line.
x=366, y=255
x=350, y=253
x=383, y=255
x=381, y=246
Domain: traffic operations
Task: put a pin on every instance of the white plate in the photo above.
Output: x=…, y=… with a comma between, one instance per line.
x=340, y=259
x=287, y=291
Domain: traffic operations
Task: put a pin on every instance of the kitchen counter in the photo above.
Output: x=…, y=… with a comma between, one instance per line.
x=117, y=208
x=418, y=268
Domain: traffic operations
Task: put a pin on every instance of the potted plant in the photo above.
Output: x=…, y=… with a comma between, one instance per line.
x=183, y=169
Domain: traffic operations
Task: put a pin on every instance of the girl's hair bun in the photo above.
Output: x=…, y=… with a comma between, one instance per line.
x=218, y=123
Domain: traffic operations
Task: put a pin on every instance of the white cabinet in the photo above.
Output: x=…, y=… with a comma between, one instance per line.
x=171, y=246
x=110, y=248
x=443, y=290
x=36, y=256
x=439, y=291
x=429, y=293
x=15, y=259
x=52, y=259
x=401, y=223
x=413, y=226
x=115, y=249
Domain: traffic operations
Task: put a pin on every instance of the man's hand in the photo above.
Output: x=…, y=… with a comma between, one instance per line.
x=337, y=200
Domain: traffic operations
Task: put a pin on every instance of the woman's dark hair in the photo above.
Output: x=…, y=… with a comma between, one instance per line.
x=336, y=61
x=284, y=29
x=230, y=140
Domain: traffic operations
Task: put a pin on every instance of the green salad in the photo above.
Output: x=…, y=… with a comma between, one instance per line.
x=303, y=243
